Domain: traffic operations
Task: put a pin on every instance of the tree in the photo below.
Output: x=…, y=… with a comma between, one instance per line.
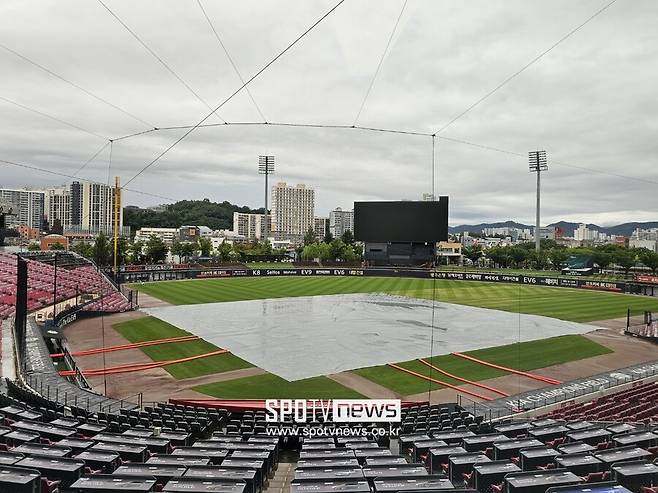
x=649, y=259
x=84, y=249
x=156, y=250
x=537, y=260
x=518, y=255
x=136, y=252
x=188, y=249
x=33, y=247
x=56, y=246
x=177, y=249
x=349, y=255
x=473, y=253
x=224, y=251
x=557, y=256
x=205, y=246
x=602, y=258
x=311, y=252
x=337, y=250
x=498, y=256
x=625, y=259
x=309, y=237
x=324, y=251
x=347, y=237
x=328, y=237
x=102, y=251
x=122, y=250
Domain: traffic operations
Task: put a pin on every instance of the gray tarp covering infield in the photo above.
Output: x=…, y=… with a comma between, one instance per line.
x=308, y=336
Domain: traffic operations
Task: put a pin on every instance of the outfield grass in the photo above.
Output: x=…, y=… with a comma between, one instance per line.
x=274, y=387
x=151, y=328
x=529, y=272
x=524, y=356
x=577, y=305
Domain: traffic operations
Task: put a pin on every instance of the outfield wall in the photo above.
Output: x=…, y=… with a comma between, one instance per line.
x=180, y=274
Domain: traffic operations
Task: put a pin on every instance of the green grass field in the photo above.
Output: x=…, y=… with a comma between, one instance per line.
x=528, y=272
x=273, y=387
x=567, y=304
x=151, y=328
x=577, y=305
x=524, y=356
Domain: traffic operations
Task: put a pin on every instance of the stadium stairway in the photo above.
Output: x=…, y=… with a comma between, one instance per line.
x=283, y=476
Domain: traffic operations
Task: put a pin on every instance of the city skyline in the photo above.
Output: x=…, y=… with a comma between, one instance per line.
x=445, y=70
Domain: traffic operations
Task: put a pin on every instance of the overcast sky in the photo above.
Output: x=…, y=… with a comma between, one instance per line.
x=591, y=102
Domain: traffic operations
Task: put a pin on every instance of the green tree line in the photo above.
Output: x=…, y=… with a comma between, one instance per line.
x=554, y=256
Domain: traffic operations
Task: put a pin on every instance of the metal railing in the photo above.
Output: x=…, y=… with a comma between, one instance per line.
x=562, y=393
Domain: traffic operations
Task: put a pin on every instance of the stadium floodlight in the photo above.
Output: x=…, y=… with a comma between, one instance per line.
x=537, y=164
x=266, y=167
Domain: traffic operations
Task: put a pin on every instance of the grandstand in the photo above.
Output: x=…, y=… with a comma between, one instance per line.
x=79, y=282
x=176, y=447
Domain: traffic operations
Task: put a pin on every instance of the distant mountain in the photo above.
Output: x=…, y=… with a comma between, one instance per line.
x=625, y=229
x=477, y=228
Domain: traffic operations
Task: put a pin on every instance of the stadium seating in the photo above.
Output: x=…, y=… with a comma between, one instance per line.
x=636, y=405
x=445, y=447
x=76, y=277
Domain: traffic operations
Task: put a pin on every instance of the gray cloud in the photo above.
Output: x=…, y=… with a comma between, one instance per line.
x=590, y=102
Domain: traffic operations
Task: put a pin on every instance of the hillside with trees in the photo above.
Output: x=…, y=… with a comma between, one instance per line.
x=215, y=215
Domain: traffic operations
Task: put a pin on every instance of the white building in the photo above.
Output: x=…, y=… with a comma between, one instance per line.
x=226, y=236
x=648, y=244
x=513, y=233
x=340, y=221
x=645, y=234
x=545, y=233
x=92, y=208
x=583, y=233
x=293, y=211
x=28, y=206
x=57, y=206
x=251, y=226
x=167, y=235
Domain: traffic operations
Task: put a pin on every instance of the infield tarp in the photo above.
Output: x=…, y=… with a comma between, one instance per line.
x=309, y=336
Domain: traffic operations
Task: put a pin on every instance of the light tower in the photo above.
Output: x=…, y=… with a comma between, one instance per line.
x=266, y=167
x=538, y=163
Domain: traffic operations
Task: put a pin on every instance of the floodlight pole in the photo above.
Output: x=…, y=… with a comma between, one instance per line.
x=266, y=167
x=537, y=219
x=537, y=164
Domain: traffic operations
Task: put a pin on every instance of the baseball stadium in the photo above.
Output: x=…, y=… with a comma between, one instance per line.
x=391, y=347
x=171, y=362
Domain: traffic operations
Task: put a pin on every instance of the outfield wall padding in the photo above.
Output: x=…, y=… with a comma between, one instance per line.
x=561, y=282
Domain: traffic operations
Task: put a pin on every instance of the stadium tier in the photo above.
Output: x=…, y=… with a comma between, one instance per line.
x=78, y=281
x=167, y=447
x=637, y=405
